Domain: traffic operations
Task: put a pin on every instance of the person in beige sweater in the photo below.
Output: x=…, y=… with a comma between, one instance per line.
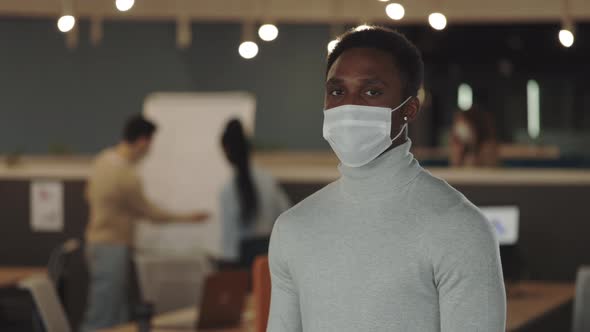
x=117, y=201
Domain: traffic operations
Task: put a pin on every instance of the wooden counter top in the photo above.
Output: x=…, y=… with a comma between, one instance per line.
x=310, y=167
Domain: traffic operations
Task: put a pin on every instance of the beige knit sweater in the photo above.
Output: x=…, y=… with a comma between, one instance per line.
x=115, y=194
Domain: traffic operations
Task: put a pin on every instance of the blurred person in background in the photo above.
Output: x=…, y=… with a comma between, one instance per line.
x=117, y=201
x=250, y=202
x=473, y=139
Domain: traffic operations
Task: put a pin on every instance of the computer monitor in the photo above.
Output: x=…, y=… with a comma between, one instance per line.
x=505, y=220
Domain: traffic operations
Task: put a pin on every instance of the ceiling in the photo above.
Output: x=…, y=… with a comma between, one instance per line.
x=310, y=11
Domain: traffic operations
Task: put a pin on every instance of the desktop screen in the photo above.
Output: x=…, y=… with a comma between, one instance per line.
x=505, y=220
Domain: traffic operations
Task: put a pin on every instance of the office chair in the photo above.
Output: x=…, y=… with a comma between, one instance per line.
x=57, y=259
x=252, y=248
x=581, y=321
x=59, y=269
x=49, y=308
x=261, y=290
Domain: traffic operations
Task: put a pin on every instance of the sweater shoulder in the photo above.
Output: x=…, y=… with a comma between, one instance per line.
x=448, y=214
x=308, y=208
x=434, y=195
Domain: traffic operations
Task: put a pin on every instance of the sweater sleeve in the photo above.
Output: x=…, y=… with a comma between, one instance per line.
x=284, y=314
x=135, y=199
x=468, y=274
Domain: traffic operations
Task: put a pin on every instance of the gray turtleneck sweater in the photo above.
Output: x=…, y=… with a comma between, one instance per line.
x=387, y=247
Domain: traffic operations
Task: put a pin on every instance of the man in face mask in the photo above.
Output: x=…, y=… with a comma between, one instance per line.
x=387, y=247
x=117, y=200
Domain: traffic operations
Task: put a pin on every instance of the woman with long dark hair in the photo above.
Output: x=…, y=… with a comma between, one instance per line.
x=252, y=200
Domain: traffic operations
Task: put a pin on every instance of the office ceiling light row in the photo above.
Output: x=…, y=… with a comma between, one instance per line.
x=438, y=20
x=396, y=12
x=67, y=20
x=248, y=48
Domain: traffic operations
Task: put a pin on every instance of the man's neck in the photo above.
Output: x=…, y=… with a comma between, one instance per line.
x=400, y=141
x=124, y=151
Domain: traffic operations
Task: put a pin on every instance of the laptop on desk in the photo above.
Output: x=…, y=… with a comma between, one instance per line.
x=222, y=303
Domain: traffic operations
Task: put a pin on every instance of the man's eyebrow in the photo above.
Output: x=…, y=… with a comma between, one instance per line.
x=334, y=81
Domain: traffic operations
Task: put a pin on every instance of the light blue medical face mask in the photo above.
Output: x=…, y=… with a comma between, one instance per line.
x=359, y=134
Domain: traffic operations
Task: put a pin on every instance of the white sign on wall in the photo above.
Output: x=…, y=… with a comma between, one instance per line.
x=47, y=206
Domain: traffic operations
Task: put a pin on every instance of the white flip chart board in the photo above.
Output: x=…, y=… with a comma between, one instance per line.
x=186, y=168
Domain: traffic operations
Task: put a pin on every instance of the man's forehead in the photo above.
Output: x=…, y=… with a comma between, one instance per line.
x=363, y=62
x=373, y=79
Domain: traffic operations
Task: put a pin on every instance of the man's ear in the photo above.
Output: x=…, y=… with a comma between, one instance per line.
x=411, y=109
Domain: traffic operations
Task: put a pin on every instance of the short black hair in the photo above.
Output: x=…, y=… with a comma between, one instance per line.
x=406, y=55
x=136, y=127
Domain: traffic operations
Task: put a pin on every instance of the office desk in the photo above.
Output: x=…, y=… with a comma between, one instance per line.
x=187, y=317
x=10, y=276
x=527, y=302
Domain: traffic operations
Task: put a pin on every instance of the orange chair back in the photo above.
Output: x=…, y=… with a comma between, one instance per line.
x=261, y=289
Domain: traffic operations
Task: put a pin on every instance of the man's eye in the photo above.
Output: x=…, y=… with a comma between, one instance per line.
x=373, y=93
x=336, y=92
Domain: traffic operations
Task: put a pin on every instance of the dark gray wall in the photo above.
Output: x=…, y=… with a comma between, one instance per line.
x=53, y=98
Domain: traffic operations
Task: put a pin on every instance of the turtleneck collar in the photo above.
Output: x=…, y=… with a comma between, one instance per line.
x=393, y=168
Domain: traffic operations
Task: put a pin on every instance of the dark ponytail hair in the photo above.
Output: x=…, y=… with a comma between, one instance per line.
x=237, y=150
